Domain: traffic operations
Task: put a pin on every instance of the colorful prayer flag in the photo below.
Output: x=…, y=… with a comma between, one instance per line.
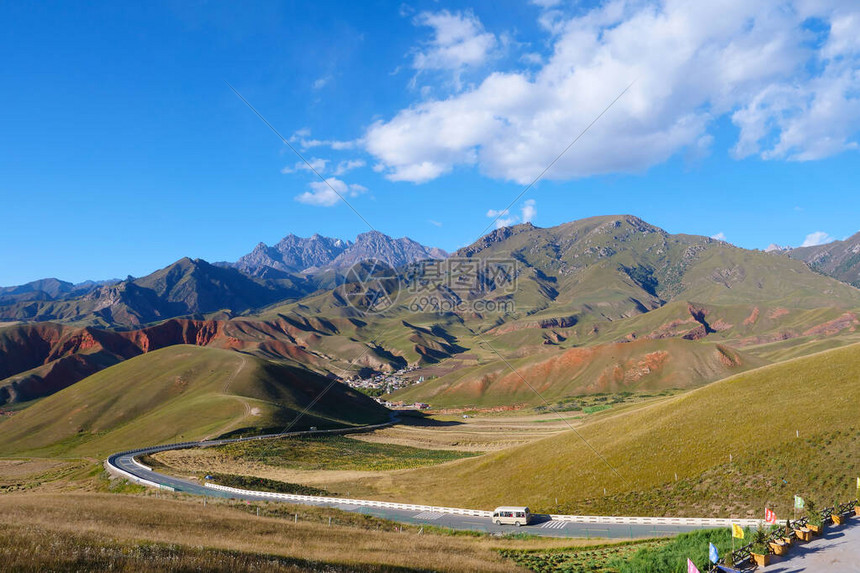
x=737, y=531
x=713, y=555
x=798, y=502
x=691, y=567
x=769, y=516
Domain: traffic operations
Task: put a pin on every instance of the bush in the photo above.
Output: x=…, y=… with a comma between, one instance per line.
x=813, y=516
x=759, y=541
x=673, y=556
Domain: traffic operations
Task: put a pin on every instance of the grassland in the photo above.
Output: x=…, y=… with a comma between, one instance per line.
x=313, y=462
x=644, y=556
x=337, y=453
x=644, y=365
x=421, y=440
x=685, y=436
x=176, y=394
x=598, y=559
x=480, y=432
x=821, y=466
x=262, y=484
x=88, y=531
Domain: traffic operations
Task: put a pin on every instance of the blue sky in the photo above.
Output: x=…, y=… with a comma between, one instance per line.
x=122, y=148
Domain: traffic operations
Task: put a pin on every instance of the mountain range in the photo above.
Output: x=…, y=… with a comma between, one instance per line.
x=602, y=304
x=291, y=269
x=838, y=259
x=316, y=254
x=49, y=289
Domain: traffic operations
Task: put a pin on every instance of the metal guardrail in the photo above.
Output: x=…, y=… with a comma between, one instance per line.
x=602, y=519
x=349, y=501
x=116, y=470
x=742, y=553
x=111, y=467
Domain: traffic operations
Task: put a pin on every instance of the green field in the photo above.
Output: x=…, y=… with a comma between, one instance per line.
x=177, y=394
x=337, y=453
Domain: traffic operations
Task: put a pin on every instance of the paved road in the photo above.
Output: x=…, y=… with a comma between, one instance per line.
x=838, y=550
x=542, y=526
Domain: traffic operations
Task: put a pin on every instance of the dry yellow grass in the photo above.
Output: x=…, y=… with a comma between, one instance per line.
x=191, y=463
x=687, y=434
x=474, y=434
x=45, y=474
x=482, y=433
x=187, y=523
x=14, y=470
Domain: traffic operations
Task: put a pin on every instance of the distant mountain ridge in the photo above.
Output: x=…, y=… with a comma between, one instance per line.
x=186, y=287
x=49, y=289
x=294, y=254
x=839, y=259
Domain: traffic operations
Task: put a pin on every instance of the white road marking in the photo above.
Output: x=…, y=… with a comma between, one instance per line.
x=553, y=524
x=428, y=515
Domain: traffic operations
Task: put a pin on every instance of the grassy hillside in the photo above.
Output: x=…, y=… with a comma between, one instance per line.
x=839, y=259
x=100, y=532
x=749, y=413
x=591, y=283
x=176, y=394
x=633, y=366
x=586, y=284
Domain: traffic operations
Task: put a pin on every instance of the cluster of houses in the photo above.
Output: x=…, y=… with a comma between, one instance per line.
x=387, y=383
x=401, y=405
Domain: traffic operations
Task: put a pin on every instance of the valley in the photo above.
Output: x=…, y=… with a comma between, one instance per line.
x=430, y=286
x=631, y=372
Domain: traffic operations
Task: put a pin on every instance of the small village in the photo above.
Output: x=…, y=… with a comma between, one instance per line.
x=386, y=383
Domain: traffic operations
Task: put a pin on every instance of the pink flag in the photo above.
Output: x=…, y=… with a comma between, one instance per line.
x=769, y=516
x=691, y=567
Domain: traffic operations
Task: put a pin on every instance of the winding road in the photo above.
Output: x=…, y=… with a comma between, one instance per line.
x=125, y=464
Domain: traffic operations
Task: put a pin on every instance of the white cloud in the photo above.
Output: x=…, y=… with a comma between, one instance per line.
x=459, y=41
x=348, y=165
x=303, y=138
x=326, y=194
x=719, y=236
x=314, y=163
x=532, y=58
x=755, y=62
x=321, y=82
x=434, y=223
x=817, y=238
x=528, y=211
x=503, y=217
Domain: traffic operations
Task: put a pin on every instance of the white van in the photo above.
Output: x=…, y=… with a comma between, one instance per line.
x=511, y=516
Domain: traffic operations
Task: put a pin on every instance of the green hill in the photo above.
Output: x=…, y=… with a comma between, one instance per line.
x=642, y=365
x=747, y=416
x=179, y=393
x=590, y=284
x=838, y=259
x=581, y=288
